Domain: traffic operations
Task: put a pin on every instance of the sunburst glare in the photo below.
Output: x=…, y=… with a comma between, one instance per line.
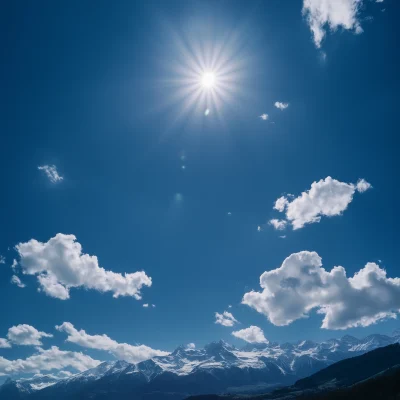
x=205, y=70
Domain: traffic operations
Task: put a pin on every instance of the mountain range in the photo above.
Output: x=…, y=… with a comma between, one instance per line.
x=216, y=368
x=373, y=375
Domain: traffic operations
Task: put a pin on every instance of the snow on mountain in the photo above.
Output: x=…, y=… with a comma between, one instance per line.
x=218, y=364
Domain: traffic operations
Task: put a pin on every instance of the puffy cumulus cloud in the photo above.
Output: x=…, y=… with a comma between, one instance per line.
x=4, y=344
x=60, y=265
x=333, y=14
x=281, y=106
x=26, y=335
x=327, y=197
x=48, y=360
x=16, y=281
x=252, y=334
x=301, y=284
x=225, y=319
x=51, y=173
x=191, y=346
x=264, y=117
x=122, y=351
x=278, y=224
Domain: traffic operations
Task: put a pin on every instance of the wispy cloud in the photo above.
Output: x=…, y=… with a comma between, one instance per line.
x=51, y=173
x=16, y=281
x=225, y=319
x=264, y=117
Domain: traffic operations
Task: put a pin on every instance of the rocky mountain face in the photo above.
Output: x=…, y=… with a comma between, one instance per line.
x=218, y=367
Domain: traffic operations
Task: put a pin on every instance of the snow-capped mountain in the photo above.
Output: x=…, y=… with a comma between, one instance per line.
x=23, y=387
x=218, y=367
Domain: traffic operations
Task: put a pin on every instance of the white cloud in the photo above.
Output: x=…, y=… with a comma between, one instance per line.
x=122, y=351
x=2, y=259
x=191, y=346
x=332, y=14
x=60, y=265
x=327, y=197
x=16, y=281
x=51, y=173
x=4, y=344
x=281, y=203
x=14, y=264
x=48, y=360
x=281, y=106
x=26, y=335
x=301, y=284
x=253, y=334
x=225, y=319
x=264, y=117
x=278, y=224
x=363, y=185
x=145, y=305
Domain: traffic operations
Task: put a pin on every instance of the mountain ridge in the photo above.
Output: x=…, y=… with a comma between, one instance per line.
x=218, y=367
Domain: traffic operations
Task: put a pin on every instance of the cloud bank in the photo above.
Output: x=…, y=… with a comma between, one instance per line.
x=301, y=284
x=60, y=265
x=48, y=360
x=122, y=351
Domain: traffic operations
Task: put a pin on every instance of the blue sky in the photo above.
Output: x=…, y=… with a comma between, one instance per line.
x=102, y=94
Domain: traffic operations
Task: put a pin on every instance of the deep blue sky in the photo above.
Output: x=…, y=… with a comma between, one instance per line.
x=83, y=87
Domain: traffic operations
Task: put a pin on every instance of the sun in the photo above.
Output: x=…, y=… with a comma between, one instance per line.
x=205, y=72
x=208, y=80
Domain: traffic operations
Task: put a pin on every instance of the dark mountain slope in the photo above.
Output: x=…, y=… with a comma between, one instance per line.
x=356, y=369
x=374, y=375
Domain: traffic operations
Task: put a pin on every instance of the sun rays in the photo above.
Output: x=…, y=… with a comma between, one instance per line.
x=205, y=72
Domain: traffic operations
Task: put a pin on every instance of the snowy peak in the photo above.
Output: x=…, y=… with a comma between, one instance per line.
x=270, y=363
